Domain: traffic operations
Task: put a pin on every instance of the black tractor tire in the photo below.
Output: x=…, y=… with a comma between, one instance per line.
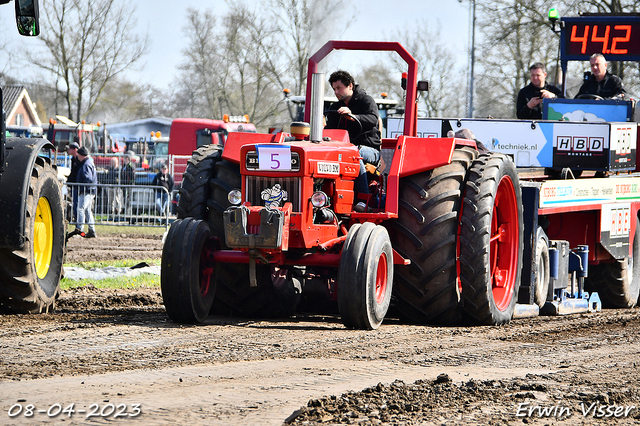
x=187, y=279
x=234, y=295
x=541, y=268
x=194, y=190
x=226, y=176
x=617, y=283
x=365, y=277
x=426, y=291
x=30, y=276
x=491, y=240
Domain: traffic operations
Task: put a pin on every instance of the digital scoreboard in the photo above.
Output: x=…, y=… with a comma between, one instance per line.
x=616, y=37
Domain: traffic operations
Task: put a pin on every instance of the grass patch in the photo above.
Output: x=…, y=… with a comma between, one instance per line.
x=142, y=280
x=123, y=282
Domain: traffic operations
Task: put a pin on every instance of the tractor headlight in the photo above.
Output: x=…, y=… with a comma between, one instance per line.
x=319, y=199
x=235, y=197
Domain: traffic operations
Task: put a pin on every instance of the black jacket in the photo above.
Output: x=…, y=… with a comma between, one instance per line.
x=127, y=174
x=73, y=174
x=529, y=92
x=365, y=109
x=164, y=180
x=87, y=174
x=610, y=87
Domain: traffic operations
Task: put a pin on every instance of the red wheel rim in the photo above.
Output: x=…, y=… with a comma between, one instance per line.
x=504, y=247
x=381, y=278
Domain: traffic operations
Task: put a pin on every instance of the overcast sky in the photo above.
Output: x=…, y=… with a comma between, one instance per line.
x=165, y=19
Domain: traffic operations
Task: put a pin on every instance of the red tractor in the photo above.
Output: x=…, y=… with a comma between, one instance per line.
x=269, y=218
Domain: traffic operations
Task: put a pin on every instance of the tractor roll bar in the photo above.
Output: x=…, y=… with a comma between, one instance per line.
x=412, y=76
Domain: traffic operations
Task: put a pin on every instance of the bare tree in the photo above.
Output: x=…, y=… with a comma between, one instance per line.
x=515, y=33
x=229, y=66
x=300, y=28
x=87, y=43
x=435, y=64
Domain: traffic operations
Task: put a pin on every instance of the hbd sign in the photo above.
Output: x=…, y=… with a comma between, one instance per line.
x=579, y=145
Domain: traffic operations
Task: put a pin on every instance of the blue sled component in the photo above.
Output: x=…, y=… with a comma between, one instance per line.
x=595, y=305
x=565, y=307
x=525, y=311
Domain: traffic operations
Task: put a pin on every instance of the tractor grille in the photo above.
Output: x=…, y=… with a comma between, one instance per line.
x=257, y=184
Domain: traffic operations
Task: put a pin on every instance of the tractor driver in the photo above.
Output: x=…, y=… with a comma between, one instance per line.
x=601, y=82
x=352, y=100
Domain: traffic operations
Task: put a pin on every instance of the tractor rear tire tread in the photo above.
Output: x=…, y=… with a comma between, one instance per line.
x=483, y=181
x=617, y=284
x=426, y=291
x=194, y=190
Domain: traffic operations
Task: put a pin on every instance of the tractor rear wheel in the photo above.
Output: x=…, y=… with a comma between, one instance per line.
x=426, y=232
x=194, y=190
x=365, y=277
x=30, y=276
x=187, y=279
x=491, y=240
x=617, y=283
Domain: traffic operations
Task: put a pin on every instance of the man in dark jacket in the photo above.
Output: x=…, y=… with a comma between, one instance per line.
x=128, y=177
x=530, y=97
x=352, y=100
x=88, y=179
x=164, y=179
x=72, y=150
x=601, y=82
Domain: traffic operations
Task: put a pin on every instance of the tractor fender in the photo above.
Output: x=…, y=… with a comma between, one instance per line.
x=21, y=154
x=415, y=155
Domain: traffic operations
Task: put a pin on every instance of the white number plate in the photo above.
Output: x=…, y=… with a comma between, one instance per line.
x=329, y=168
x=274, y=157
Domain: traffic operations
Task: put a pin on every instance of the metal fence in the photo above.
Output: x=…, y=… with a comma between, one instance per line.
x=123, y=205
x=120, y=201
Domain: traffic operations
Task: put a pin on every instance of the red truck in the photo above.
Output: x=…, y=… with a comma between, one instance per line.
x=189, y=134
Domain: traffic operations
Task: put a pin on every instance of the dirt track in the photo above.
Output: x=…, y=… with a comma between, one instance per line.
x=118, y=347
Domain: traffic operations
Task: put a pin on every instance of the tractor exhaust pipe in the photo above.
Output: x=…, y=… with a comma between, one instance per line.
x=317, y=105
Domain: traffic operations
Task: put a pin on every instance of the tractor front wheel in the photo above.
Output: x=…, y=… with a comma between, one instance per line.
x=491, y=240
x=187, y=279
x=365, y=277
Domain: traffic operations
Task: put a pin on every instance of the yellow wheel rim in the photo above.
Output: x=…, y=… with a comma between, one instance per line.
x=43, y=238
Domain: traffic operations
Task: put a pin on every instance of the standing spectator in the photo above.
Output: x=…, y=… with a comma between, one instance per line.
x=114, y=192
x=165, y=180
x=128, y=177
x=72, y=150
x=86, y=193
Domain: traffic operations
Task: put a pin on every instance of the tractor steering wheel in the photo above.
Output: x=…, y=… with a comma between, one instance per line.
x=355, y=119
x=590, y=96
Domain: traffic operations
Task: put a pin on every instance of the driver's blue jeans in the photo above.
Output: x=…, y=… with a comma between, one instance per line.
x=371, y=156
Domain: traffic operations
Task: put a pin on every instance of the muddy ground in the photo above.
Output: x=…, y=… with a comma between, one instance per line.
x=117, y=358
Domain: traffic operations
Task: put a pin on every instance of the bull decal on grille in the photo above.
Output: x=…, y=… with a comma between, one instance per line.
x=274, y=196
